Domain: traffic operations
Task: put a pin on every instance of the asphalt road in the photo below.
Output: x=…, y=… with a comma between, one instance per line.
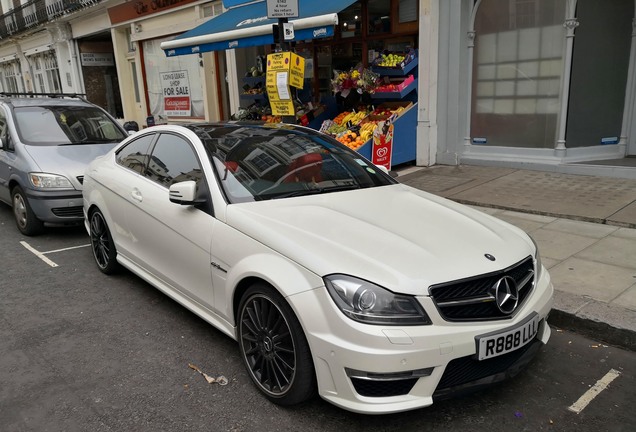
x=81, y=351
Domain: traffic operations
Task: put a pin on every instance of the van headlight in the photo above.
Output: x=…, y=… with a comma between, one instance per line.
x=49, y=181
x=369, y=303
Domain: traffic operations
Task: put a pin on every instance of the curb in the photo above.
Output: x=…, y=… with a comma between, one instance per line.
x=603, y=332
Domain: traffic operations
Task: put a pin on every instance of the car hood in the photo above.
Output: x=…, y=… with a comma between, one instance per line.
x=67, y=160
x=396, y=236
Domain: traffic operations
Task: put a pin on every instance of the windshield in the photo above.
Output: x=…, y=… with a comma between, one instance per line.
x=59, y=125
x=262, y=163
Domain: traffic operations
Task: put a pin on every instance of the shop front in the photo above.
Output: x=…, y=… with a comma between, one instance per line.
x=544, y=84
x=360, y=74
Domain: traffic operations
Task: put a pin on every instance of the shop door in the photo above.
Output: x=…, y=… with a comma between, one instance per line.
x=599, y=72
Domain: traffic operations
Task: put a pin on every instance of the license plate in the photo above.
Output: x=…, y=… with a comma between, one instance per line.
x=501, y=342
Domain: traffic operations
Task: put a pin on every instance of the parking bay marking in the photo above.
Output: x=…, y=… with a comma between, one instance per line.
x=594, y=391
x=42, y=256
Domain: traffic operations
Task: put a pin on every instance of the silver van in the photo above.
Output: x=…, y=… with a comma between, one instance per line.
x=46, y=142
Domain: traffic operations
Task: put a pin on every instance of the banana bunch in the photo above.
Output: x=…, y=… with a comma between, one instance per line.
x=366, y=131
x=354, y=118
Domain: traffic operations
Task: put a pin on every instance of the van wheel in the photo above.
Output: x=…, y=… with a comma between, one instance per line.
x=25, y=219
x=274, y=347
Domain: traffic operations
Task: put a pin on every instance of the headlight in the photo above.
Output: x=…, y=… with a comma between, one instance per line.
x=368, y=303
x=537, y=258
x=49, y=181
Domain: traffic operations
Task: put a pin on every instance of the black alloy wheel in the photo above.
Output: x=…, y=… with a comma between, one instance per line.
x=25, y=219
x=102, y=244
x=274, y=348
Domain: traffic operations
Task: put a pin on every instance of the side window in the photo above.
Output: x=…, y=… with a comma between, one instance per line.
x=134, y=156
x=7, y=144
x=173, y=160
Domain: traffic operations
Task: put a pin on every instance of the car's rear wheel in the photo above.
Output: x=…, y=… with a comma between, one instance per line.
x=25, y=219
x=274, y=348
x=102, y=243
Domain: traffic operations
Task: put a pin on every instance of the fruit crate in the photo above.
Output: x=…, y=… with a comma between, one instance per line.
x=407, y=65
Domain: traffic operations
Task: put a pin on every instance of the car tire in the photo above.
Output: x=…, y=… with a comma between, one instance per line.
x=102, y=243
x=274, y=348
x=25, y=219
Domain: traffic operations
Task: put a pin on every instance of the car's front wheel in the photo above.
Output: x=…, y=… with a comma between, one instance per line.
x=274, y=348
x=102, y=243
x=25, y=219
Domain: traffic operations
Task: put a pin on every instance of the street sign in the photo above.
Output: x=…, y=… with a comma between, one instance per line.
x=288, y=31
x=282, y=8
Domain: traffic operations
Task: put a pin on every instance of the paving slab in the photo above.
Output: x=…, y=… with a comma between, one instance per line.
x=612, y=250
x=559, y=245
x=627, y=299
x=554, y=194
x=587, y=229
x=595, y=280
x=625, y=216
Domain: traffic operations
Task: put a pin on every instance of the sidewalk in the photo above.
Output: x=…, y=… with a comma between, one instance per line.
x=585, y=227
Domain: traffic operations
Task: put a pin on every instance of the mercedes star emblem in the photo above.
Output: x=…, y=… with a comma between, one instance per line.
x=506, y=294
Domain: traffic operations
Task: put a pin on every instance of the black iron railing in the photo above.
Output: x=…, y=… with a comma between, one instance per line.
x=37, y=12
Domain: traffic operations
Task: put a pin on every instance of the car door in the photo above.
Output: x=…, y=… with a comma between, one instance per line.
x=7, y=157
x=171, y=240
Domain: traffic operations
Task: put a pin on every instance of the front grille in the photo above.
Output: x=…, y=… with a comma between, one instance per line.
x=383, y=388
x=473, y=299
x=69, y=212
x=465, y=370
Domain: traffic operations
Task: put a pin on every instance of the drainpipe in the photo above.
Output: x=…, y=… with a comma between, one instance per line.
x=570, y=24
x=471, y=35
x=628, y=109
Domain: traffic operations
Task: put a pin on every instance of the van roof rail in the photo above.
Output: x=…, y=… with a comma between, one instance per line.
x=50, y=95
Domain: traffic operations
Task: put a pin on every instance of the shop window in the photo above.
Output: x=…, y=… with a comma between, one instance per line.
x=350, y=21
x=379, y=12
x=133, y=70
x=212, y=9
x=517, y=72
x=12, y=79
x=45, y=72
x=174, y=84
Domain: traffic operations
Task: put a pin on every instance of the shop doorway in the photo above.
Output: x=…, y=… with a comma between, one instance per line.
x=600, y=64
x=99, y=72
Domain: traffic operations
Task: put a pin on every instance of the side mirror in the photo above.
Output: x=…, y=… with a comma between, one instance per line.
x=184, y=193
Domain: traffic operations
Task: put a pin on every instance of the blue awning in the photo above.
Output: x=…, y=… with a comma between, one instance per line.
x=247, y=25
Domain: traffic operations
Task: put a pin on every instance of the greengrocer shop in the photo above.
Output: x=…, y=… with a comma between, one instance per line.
x=360, y=61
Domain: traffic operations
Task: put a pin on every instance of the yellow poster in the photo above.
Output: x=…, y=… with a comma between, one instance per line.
x=282, y=108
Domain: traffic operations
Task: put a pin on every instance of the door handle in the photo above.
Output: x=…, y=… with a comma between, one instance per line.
x=136, y=195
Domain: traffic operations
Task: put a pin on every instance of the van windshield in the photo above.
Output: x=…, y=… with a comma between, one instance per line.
x=64, y=125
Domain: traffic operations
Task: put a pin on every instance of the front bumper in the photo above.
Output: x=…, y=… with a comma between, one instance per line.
x=56, y=207
x=382, y=369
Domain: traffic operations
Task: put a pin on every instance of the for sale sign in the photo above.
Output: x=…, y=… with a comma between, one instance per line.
x=176, y=93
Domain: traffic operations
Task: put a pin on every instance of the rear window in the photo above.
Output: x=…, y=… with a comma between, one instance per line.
x=59, y=125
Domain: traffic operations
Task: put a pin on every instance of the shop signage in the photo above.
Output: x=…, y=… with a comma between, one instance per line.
x=382, y=147
x=282, y=8
x=283, y=69
x=176, y=93
x=135, y=9
x=97, y=59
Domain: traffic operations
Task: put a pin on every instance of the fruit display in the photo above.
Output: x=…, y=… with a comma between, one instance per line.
x=271, y=118
x=387, y=111
x=395, y=86
x=390, y=60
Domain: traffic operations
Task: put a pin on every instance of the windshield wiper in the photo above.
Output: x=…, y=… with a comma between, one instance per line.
x=316, y=190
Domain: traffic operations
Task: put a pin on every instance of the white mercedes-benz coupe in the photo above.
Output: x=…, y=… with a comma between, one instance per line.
x=333, y=277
